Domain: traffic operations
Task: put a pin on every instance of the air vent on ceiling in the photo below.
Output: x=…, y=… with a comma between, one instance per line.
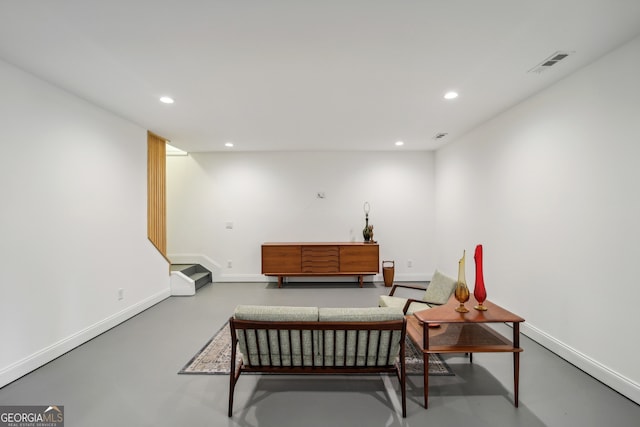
x=550, y=62
x=440, y=135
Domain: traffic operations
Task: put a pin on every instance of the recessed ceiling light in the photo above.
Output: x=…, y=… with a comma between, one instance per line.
x=166, y=100
x=451, y=95
x=399, y=143
x=228, y=144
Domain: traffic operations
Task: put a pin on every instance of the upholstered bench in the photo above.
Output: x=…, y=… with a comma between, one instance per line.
x=311, y=340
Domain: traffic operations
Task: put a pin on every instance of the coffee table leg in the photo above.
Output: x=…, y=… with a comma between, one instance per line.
x=516, y=375
x=426, y=379
x=516, y=362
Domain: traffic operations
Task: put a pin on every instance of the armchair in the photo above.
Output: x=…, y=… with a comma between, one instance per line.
x=437, y=292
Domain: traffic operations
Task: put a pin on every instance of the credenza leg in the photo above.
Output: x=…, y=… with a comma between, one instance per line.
x=361, y=280
x=279, y=281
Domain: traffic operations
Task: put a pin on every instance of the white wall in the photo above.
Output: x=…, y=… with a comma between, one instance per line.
x=551, y=188
x=272, y=196
x=73, y=223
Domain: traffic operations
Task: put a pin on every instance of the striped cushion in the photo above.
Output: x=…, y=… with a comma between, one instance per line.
x=279, y=349
x=362, y=348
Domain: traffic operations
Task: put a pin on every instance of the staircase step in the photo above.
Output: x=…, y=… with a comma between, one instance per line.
x=200, y=275
x=186, y=269
x=201, y=278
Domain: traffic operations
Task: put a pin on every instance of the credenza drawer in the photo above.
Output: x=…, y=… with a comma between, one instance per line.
x=320, y=251
x=320, y=259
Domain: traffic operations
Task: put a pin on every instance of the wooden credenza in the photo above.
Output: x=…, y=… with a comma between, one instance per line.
x=320, y=259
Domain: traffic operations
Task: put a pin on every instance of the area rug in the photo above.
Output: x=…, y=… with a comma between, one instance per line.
x=215, y=357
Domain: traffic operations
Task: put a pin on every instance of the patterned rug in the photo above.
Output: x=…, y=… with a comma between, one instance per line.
x=214, y=358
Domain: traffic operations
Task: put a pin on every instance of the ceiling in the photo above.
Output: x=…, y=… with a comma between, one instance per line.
x=308, y=74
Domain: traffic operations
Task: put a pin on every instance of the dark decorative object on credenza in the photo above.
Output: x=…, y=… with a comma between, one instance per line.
x=479, y=290
x=367, y=232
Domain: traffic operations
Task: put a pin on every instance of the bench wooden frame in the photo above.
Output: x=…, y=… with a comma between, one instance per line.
x=298, y=328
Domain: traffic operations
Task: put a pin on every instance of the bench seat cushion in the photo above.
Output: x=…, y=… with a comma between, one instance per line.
x=276, y=313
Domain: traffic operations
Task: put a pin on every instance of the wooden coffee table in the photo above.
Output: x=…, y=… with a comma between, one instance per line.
x=464, y=333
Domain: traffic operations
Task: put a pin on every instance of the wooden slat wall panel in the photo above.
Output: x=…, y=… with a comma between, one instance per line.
x=156, y=192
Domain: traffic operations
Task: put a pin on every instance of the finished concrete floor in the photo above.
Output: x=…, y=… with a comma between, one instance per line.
x=128, y=377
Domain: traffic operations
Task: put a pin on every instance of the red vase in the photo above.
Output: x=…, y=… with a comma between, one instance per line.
x=479, y=291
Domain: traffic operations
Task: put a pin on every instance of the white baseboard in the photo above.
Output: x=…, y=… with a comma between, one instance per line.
x=411, y=277
x=602, y=373
x=219, y=274
x=47, y=354
x=235, y=278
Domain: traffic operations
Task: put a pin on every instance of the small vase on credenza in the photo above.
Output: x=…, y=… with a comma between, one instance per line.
x=367, y=232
